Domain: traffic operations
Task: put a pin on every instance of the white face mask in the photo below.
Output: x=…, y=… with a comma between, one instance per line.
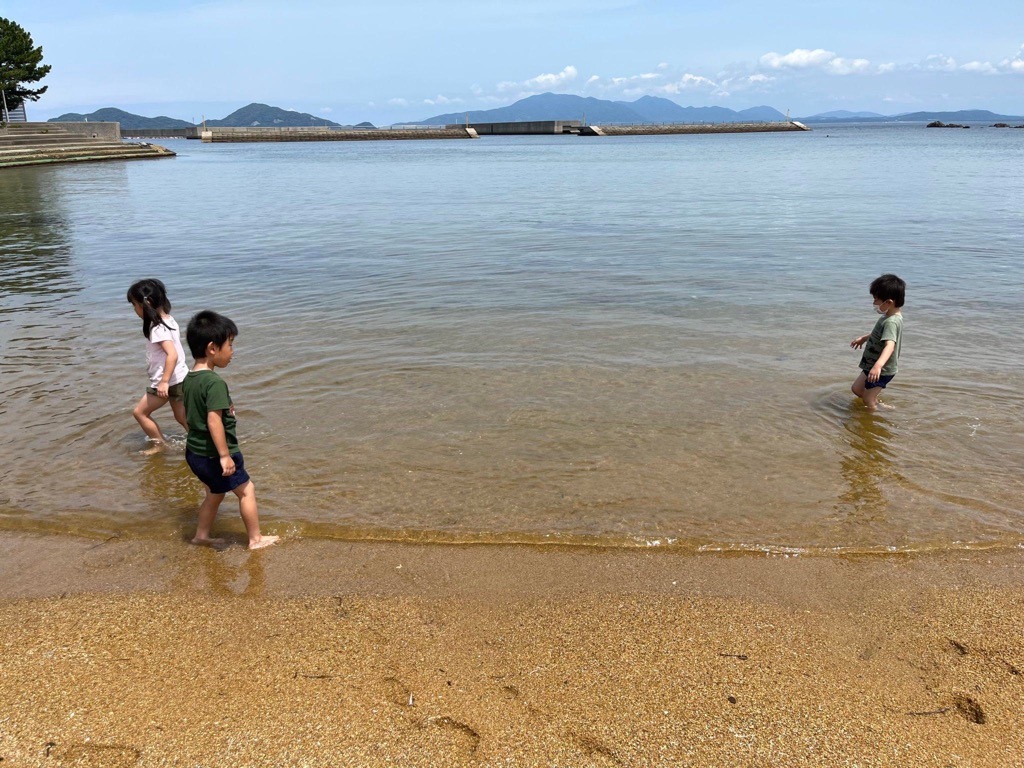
x=879, y=310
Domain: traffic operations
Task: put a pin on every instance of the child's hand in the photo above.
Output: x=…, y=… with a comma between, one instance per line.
x=874, y=373
x=161, y=389
x=858, y=342
x=227, y=466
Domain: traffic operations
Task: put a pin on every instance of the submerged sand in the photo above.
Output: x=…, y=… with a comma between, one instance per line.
x=317, y=653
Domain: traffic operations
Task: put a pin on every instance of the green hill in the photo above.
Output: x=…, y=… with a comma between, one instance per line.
x=126, y=119
x=264, y=115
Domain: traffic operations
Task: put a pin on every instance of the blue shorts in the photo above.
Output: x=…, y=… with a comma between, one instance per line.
x=882, y=382
x=207, y=469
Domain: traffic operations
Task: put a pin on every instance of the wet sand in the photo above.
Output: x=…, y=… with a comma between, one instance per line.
x=131, y=652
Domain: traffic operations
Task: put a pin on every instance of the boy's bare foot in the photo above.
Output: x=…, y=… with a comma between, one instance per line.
x=264, y=541
x=886, y=407
x=215, y=543
x=154, y=449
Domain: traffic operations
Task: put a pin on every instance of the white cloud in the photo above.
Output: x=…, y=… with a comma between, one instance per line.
x=663, y=65
x=886, y=68
x=939, y=63
x=635, y=78
x=1015, y=64
x=592, y=79
x=801, y=58
x=398, y=102
x=759, y=78
x=817, y=58
x=841, y=66
x=326, y=109
x=979, y=66
x=688, y=82
x=440, y=100
x=557, y=80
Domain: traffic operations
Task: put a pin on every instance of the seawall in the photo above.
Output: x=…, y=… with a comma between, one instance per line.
x=670, y=128
x=259, y=133
x=24, y=144
x=161, y=133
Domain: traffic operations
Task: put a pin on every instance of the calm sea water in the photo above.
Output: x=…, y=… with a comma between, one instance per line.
x=622, y=341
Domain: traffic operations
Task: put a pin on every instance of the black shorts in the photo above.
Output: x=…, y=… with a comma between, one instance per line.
x=207, y=469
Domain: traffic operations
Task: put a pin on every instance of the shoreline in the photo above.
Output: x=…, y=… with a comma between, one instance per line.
x=320, y=652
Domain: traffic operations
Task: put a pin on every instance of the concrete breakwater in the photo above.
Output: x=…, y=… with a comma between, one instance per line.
x=260, y=133
x=576, y=127
x=24, y=144
x=673, y=128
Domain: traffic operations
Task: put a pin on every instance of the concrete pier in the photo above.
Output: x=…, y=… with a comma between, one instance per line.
x=24, y=144
x=525, y=128
x=673, y=128
x=259, y=133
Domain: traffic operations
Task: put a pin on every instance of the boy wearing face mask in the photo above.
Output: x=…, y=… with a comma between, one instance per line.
x=881, y=356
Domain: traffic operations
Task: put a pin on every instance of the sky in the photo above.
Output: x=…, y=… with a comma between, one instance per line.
x=393, y=61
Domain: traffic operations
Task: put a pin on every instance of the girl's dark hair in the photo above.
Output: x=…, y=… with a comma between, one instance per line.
x=151, y=295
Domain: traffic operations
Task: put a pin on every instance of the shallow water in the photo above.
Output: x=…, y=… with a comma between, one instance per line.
x=623, y=341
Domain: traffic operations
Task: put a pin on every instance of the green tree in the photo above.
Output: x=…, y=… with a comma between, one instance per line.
x=19, y=66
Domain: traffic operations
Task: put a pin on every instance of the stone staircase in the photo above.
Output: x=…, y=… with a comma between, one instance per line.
x=44, y=143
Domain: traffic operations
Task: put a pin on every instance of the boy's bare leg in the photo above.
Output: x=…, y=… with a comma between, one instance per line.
x=178, y=406
x=207, y=513
x=250, y=516
x=143, y=409
x=871, y=401
x=858, y=388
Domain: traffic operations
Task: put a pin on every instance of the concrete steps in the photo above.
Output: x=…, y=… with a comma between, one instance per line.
x=46, y=143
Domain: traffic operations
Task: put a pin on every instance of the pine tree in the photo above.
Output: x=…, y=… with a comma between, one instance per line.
x=19, y=66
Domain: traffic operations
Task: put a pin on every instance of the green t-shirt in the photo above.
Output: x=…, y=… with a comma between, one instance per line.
x=886, y=329
x=205, y=391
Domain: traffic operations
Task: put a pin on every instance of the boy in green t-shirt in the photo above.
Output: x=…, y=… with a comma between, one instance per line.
x=880, y=361
x=212, y=448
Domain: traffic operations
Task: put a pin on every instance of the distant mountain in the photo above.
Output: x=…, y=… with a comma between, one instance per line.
x=126, y=119
x=267, y=116
x=545, y=106
x=658, y=110
x=842, y=114
x=964, y=115
x=564, y=106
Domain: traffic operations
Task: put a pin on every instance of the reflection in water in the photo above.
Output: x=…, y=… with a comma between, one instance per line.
x=867, y=468
x=34, y=241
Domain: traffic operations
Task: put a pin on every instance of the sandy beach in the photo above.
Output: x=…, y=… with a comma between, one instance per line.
x=133, y=652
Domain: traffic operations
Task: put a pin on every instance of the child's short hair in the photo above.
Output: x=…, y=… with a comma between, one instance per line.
x=207, y=327
x=887, y=287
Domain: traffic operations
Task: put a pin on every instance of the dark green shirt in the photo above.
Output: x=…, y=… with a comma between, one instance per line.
x=205, y=391
x=886, y=329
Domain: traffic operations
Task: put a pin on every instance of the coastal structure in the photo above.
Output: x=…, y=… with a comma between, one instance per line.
x=218, y=134
x=578, y=128
x=16, y=115
x=319, y=133
x=24, y=144
x=673, y=128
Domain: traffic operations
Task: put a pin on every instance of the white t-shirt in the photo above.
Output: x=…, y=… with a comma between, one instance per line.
x=156, y=358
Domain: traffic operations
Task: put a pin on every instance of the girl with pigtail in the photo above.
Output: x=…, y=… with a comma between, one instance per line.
x=164, y=356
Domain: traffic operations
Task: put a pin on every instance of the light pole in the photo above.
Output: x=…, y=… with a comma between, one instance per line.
x=7, y=115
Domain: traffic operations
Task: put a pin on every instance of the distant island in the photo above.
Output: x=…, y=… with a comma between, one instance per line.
x=254, y=114
x=563, y=106
x=964, y=115
x=545, y=106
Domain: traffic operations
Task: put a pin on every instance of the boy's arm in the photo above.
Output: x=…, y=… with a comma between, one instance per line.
x=876, y=369
x=215, y=423
x=859, y=341
x=169, y=363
